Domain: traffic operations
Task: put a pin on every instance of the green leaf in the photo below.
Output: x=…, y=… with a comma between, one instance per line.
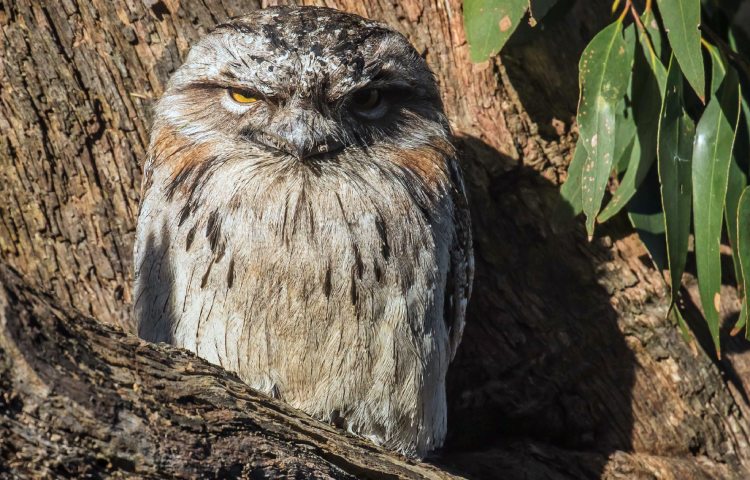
x=743, y=248
x=675, y=151
x=650, y=41
x=648, y=19
x=625, y=127
x=647, y=217
x=489, y=24
x=652, y=223
x=741, y=322
x=737, y=181
x=742, y=142
x=712, y=154
x=743, y=135
x=624, y=132
x=571, y=189
x=718, y=67
x=625, y=158
x=604, y=70
x=684, y=330
x=646, y=94
x=681, y=20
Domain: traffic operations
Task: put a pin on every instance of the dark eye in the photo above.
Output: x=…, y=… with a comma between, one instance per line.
x=366, y=99
x=368, y=103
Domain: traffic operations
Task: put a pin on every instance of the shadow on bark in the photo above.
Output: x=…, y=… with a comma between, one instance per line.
x=536, y=367
x=544, y=75
x=730, y=344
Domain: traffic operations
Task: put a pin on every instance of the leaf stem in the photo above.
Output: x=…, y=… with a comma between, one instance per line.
x=644, y=30
x=615, y=4
x=625, y=10
x=637, y=18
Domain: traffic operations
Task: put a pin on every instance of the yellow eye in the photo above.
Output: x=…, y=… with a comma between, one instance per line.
x=241, y=97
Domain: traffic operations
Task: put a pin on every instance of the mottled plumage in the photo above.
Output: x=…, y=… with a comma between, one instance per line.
x=304, y=223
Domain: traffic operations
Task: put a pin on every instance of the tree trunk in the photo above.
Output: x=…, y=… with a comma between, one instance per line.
x=568, y=368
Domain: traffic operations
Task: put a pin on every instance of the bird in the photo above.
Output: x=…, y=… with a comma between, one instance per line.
x=304, y=221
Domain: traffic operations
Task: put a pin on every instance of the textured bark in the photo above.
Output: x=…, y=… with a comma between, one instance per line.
x=568, y=368
x=84, y=399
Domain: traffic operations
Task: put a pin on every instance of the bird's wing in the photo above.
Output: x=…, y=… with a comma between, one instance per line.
x=461, y=273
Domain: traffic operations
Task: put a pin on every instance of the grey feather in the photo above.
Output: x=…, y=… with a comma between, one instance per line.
x=318, y=246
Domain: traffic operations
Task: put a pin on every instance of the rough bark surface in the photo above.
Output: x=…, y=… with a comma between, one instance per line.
x=568, y=368
x=110, y=402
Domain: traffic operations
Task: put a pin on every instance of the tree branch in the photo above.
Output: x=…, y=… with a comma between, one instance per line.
x=82, y=398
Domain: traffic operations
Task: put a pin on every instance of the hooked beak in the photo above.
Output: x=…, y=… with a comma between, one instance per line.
x=301, y=136
x=304, y=149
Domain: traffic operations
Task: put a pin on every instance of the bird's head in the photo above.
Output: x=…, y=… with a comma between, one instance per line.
x=302, y=83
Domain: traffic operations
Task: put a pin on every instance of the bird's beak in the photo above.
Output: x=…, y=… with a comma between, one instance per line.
x=303, y=133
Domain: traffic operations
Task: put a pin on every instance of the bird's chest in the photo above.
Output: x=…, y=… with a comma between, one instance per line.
x=307, y=272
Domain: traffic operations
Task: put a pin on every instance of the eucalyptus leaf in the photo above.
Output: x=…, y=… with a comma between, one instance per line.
x=648, y=19
x=739, y=167
x=650, y=41
x=571, y=189
x=737, y=180
x=712, y=155
x=681, y=21
x=489, y=24
x=742, y=148
x=604, y=71
x=646, y=103
x=741, y=322
x=625, y=159
x=718, y=67
x=652, y=223
x=742, y=144
x=624, y=123
x=743, y=249
x=684, y=330
x=675, y=151
x=647, y=217
x=624, y=132
x=736, y=183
